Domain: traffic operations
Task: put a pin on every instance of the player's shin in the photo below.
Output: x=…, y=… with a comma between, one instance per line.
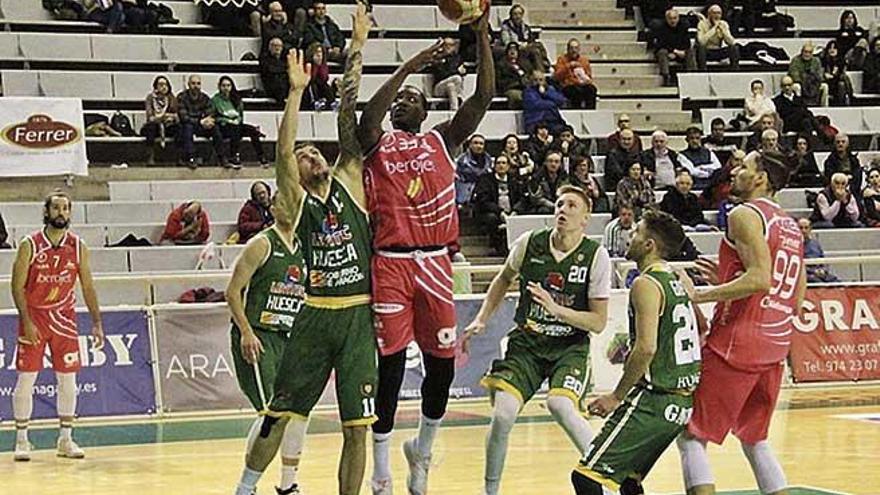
x=291, y=451
x=66, y=404
x=439, y=373
x=353, y=461
x=504, y=415
x=260, y=453
x=695, y=467
x=571, y=420
x=23, y=403
x=765, y=465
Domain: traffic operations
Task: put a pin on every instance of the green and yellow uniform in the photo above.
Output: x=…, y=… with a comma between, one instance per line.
x=334, y=331
x=272, y=299
x=542, y=347
x=657, y=409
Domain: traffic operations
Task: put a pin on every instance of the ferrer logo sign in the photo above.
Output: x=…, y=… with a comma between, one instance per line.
x=40, y=132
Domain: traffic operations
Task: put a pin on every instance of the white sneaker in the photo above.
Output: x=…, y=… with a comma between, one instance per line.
x=417, y=479
x=69, y=449
x=22, y=451
x=382, y=487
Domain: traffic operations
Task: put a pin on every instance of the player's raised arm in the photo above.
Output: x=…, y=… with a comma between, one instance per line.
x=350, y=164
x=290, y=192
x=251, y=258
x=470, y=114
x=91, y=296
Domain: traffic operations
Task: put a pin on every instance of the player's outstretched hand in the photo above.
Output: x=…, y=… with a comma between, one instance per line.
x=251, y=347
x=603, y=405
x=708, y=270
x=429, y=56
x=475, y=328
x=97, y=337
x=686, y=282
x=298, y=72
x=360, y=23
x=542, y=297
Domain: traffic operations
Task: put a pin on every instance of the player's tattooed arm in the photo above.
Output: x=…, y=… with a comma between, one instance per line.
x=468, y=117
x=290, y=191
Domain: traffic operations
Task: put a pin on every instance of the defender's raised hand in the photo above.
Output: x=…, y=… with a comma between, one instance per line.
x=298, y=74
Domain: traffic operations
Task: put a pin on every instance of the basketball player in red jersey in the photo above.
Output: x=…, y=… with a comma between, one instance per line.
x=410, y=180
x=44, y=276
x=760, y=283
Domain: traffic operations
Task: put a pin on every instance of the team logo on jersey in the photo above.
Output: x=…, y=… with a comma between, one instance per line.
x=414, y=188
x=555, y=281
x=293, y=274
x=53, y=295
x=42, y=257
x=331, y=223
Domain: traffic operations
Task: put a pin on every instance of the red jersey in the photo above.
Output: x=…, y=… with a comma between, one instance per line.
x=51, y=279
x=755, y=332
x=410, y=184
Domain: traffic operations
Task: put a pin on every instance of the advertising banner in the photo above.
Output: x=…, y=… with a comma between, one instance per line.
x=115, y=380
x=838, y=336
x=196, y=372
x=42, y=136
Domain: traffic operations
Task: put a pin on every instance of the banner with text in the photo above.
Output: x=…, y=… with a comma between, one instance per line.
x=196, y=371
x=42, y=136
x=115, y=380
x=838, y=336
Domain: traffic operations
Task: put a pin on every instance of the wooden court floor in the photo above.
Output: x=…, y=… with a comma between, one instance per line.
x=824, y=448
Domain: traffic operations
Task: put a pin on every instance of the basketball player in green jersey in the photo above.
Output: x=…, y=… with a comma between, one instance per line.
x=653, y=401
x=265, y=294
x=334, y=330
x=565, y=281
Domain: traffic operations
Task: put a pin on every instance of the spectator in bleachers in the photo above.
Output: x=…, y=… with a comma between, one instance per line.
x=469, y=166
x=541, y=103
x=324, y=30
x=767, y=122
x=795, y=115
x=4, y=235
x=515, y=30
x=108, y=13
x=836, y=205
x=807, y=172
x=510, y=77
x=809, y=76
x=276, y=25
x=162, y=119
x=619, y=158
x=623, y=122
x=228, y=111
x=842, y=160
x=255, y=215
x=574, y=75
x=812, y=249
x=521, y=164
x=235, y=18
x=871, y=197
x=839, y=83
x=684, y=205
x=653, y=14
x=619, y=231
x=320, y=94
x=138, y=17
x=635, y=190
x=871, y=71
x=660, y=163
x=714, y=39
x=582, y=177
x=769, y=142
x=569, y=146
x=763, y=14
x=849, y=33
x=539, y=143
x=856, y=56
x=757, y=104
x=196, y=117
x=542, y=190
x=298, y=10
x=700, y=162
x=495, y=196
x=273, y=70
x=448, y=74
x=673, y=44
x=187, y=224
x=717, y=142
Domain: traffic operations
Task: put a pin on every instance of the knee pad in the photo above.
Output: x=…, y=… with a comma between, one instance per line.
x=585, y=486
x=631, y=486
x=266, y=427
x=391, y=371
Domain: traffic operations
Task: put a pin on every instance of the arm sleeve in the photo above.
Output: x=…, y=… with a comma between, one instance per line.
x=600, y=275
x=518, y=253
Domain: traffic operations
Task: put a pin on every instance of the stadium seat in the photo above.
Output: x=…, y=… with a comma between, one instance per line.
x=108, y=260
x=53, y=46
x=109, y=47
x=204, y=49
x=169, y=258
x=119, y=212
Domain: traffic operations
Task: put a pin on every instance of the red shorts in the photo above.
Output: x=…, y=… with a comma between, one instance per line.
x=412, y=299
x=729, y=399
x=58, y=330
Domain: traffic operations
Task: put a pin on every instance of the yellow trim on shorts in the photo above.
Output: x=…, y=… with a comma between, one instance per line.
x=360, y=422
x=564, y=392
x=337, y=302
x=283, y=414
x=598, y=478
x=495, y=383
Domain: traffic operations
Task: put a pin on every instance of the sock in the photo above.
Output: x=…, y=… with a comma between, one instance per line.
x=694, y=461
x=381, y=458
x=66, y=402
x=503, y=417
x=23, y=398
x=765, y=465
x=570, y=419
x=248, y=482
x=21, y=431
x=291, y=451
x=427, y=432
x=65, y=432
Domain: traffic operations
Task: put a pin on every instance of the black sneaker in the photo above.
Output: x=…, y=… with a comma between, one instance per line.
x=293, y=490
x=236, y=160
x=191, y=163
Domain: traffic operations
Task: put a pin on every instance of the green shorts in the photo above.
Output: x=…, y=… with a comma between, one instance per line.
x=635, y=436
x=532, y=357
x=323, y=341
x=257, y=381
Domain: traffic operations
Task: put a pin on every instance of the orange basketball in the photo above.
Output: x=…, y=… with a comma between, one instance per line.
x=463, y=11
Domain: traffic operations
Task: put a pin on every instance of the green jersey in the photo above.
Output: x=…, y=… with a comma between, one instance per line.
x=676, y=364
x=567, y=281
x=336, y=243
x=275, y=293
